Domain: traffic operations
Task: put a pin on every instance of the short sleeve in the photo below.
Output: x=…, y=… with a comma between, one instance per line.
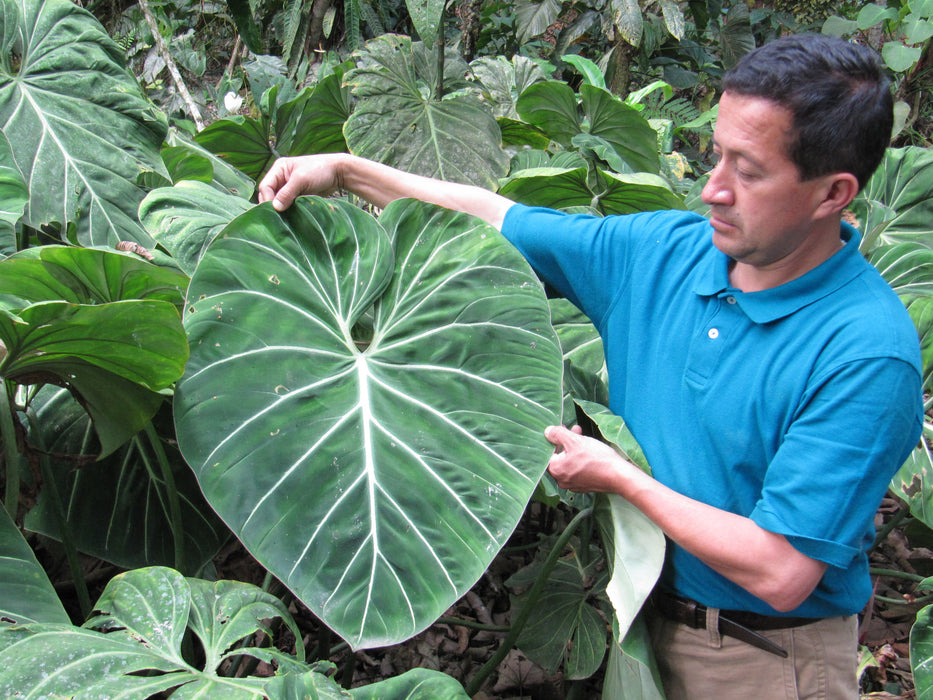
x=855, y=429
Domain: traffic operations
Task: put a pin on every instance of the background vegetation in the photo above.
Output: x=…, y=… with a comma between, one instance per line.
x=157, y=490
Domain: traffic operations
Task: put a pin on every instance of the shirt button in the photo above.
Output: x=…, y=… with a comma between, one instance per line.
x=730, y=299
x=713, y=333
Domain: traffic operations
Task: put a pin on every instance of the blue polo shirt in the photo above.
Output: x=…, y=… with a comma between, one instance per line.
x=793, y=406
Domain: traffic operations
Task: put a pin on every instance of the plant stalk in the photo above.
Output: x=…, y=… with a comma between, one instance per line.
x=162, y=48
x=439, y=45
x=10, y=453
x=171, y=493
x=534, y=594
x=58, y=510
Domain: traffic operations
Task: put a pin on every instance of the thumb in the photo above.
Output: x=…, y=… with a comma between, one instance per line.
x=286, y=195
x=559, y=435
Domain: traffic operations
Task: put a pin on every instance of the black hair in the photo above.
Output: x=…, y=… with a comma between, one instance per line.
x=838, y=94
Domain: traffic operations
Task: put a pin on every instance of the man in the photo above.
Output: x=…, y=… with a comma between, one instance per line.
x=769, y=374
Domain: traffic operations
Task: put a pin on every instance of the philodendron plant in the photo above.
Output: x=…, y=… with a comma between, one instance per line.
x=365, y=403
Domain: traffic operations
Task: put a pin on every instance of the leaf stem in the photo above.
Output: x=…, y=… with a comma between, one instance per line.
x=171, y=493
x=58, y=510
x=10, y=453
x=522, y=617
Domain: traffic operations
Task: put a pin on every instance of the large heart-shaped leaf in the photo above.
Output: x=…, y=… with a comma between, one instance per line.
x=79, y=125
x=26, y=594
x=365, y=403
x=399, y=121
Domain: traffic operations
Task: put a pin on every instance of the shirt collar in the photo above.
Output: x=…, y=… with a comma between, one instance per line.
x=772, y=304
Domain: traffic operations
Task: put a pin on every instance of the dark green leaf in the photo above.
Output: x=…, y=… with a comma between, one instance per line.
x=26, y=594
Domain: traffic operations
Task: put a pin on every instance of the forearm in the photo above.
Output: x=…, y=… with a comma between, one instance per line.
x=762, y=562
x=376, y=183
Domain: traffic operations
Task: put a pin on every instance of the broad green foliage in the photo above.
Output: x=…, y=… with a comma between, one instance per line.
x=399, y=121
x=565, y=611
x=631, y=672
x=80, y=137
x=503, y=80
x=185, y=218
x=365, y=402
x=553, y=107
x=14, y=196
x=103, y=323
x=310, y=122
x=26, y=594
x=115, y=509
x=132, y=646
x=601, y=191
x=895, y=204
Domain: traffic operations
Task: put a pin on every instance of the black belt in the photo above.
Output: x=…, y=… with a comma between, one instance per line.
x=738, y=624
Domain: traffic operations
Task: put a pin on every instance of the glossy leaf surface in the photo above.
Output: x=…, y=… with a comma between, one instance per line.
x=26, y=593
x=365, y=403
x=79, y=125
x=399, y=121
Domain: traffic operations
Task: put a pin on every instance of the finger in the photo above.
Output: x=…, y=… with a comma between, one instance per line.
x=558, y=435
x=577, y=429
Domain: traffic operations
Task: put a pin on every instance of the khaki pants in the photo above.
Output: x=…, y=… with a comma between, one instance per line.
x=700, y=664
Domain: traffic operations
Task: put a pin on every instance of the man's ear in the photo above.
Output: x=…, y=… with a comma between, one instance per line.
x=841, y=189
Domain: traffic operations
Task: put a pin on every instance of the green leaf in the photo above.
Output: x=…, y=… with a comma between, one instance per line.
x=636, y=557
x=896, y=204
x=313, y=121
x=591, y=73
x=627, y=20
x=416, y=684
x=397, y=375
x=426, y=16
x=914, y=480
x=80, y=128
x=898, y=57
x=226, y=177
x=917, y=29
x=872, y=14
x=224, y=612
x=131, y=648
x=117, y=509
x=631, y=672
x=735, y=36
x=185, y=218
x=552, y=106
x=563, y=188
x=14, y=196
x=533, y=18
x=565, y=629
x=115, y=337
x=838, y=26
x=26, y=594
x=183, y=164
x=241, y=141
x=398, y=121
x=504, y=80
x=921, y=653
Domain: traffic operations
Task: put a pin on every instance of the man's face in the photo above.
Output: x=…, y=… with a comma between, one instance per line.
x=761, y=211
